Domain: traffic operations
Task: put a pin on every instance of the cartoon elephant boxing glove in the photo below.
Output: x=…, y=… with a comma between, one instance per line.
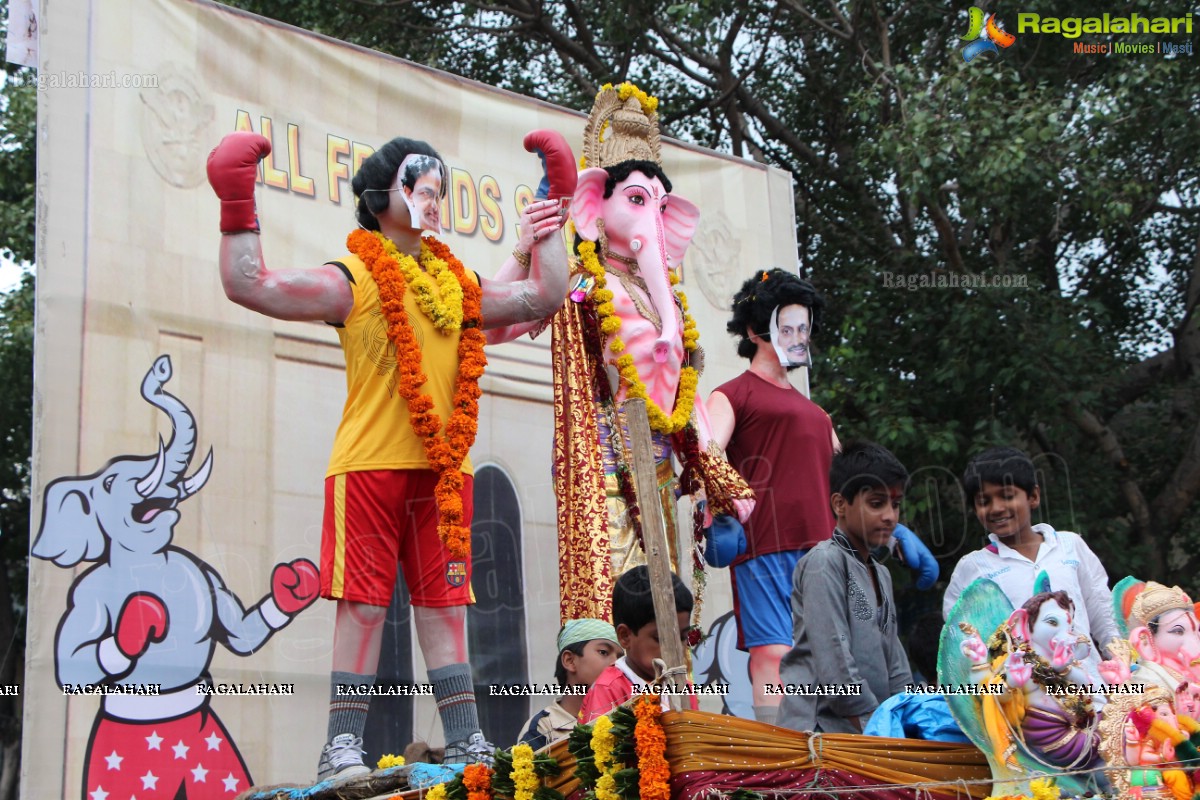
x=141, y=622
x=232, y=172
x=294, y=587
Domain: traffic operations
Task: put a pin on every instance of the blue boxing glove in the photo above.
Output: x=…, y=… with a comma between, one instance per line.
x=916, y=556
x=724, y=540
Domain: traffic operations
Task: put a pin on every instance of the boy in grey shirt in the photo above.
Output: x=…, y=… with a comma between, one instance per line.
x=846, y=657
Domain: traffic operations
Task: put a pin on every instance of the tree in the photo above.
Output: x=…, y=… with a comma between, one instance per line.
x=1069, y=180
x=16, y=400
x=18, y=124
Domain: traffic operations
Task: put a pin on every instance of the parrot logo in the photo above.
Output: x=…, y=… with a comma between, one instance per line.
x=984, y=37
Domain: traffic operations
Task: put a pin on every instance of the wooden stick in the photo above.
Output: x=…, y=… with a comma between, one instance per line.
x=654, y=535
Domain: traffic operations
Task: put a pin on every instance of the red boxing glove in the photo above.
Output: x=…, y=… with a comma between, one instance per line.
x=294, y=586
x=143, y=620
x=232, y=171
x=557, y=160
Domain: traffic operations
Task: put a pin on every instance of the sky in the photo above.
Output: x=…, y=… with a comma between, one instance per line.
x=10, y=274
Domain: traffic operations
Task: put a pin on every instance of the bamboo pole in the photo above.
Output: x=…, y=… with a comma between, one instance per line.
x=654, y=535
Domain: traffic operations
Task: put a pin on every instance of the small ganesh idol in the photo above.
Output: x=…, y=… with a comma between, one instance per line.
x=1150, y=749
x=1163, y=630
x=1044, y=698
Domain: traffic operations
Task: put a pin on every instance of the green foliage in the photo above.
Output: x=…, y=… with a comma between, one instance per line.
x=16, y=424
x=18, y=159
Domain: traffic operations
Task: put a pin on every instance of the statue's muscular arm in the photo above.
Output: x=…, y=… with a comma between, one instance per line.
x=508, y=302
x=322, y=294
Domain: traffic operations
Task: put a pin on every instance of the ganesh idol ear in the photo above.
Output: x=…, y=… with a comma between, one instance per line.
x=587, y=207
x=1143, y=642
x=1018, y=624
x=680, y=218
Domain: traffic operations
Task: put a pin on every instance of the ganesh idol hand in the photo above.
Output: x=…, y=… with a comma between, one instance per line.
x=974, y=649
x=1061, y=654
x=232, y=172
x=743, y=508
x=540, y=220
x=1017, y=672
x=1114, y=671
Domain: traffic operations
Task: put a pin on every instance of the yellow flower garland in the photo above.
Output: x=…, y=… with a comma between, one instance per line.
x=649, y=105
x=603, y=742
x=436, y=793
x=626, y=90
x=1040, y=789
x=446, y=311
x=610, y=325
x=524, y=779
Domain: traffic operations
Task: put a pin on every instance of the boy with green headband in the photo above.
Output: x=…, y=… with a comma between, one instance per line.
x=585, y=648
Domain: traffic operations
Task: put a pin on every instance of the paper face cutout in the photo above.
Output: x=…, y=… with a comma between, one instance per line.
x=790, y=329
x=420, y=180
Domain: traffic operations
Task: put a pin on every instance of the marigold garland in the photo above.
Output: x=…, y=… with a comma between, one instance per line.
x=389, y=760
x=1039, y=788
x=649, y=103
x=443, y=308
x=602, y=743
x=1044, y=789
x=524, y=778
x=438, y=792
x=654, y=772
x=446, y=452
x=610, y=325
x=477, y=778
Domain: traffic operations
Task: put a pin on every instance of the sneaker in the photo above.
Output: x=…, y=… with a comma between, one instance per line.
x=474, y=749
x=342, y=758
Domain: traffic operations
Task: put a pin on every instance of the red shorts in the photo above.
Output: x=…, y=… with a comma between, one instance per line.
x=377, y=518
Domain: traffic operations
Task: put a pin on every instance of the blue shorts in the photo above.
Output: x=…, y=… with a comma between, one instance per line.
x=762, y=598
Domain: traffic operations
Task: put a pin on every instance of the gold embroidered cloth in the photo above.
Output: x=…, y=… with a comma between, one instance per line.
x=596, y=541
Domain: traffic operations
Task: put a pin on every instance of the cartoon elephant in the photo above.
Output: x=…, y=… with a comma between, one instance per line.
x=717, y=661
x=150, y=614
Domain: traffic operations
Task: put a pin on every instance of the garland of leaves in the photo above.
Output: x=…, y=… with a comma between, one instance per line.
x=447, y=452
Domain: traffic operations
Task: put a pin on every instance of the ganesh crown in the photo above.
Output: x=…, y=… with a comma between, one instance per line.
x=1154, y=599
x=622, y=126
